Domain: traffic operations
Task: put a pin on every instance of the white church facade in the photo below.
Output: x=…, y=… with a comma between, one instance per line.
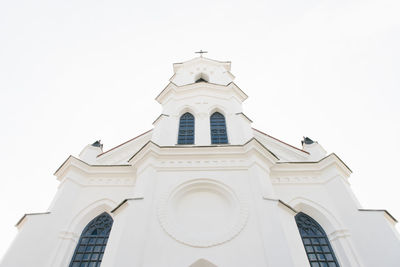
x=202, y=189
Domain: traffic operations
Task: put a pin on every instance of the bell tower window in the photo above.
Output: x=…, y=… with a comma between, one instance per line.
x=218, y=129
x=201, y=77
x=186, y=129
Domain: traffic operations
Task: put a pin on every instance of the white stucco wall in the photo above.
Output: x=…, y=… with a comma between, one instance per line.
x=205, y=205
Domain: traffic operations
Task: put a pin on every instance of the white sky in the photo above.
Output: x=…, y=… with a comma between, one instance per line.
x=76, y=71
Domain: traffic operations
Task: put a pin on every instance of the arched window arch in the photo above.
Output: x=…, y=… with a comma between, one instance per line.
x=90, y=248
x=186, y=129
x=218, y=129
x=316, y=243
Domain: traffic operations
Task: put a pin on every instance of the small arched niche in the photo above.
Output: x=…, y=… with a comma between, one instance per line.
x=201, y=77
x=202, y=263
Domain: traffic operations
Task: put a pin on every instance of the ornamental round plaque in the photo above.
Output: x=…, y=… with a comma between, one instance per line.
x=202, y=213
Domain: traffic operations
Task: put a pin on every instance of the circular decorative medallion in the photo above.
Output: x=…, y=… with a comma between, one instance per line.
x=202, y=213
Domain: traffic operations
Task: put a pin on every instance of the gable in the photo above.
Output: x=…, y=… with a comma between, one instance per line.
x=282, y=150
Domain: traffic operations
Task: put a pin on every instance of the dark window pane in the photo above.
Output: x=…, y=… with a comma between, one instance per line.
x=325, y=249
x=312, y=257
x=309, y=249
x=329, y=257
x=317, y=249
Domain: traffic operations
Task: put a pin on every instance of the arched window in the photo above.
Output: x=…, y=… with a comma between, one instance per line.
x=218, y=129
x=315, y=241
x=201, y=77
x=186, y=129
x=90, y=249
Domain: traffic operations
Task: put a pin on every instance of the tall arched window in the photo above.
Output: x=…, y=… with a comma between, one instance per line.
x=218, y=129
x=90, y=249
x=316, y=243
x=186, y=129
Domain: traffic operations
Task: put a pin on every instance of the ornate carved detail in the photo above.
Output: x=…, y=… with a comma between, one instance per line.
x=296, y=179
x=308, y=226
x=236, y=210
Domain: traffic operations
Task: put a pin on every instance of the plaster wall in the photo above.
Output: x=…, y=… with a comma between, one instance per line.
x=265, y=238
x=205, y=205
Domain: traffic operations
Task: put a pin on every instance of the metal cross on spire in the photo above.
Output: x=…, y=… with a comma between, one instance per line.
x=201, y=52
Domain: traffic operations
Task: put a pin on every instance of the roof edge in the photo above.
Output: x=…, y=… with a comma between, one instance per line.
x=29, y=214
x=125, y=142
x=381, y=210
x=276, y=139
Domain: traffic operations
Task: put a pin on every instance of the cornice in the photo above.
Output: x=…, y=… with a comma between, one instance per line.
x=299, y=168
x=209, y=154
x=26, y=215
x=159, y=118
x=125, y=201
x=173, y=88
x=385, y=212
x=283, y=204
x=77, y=164
x=244, y=116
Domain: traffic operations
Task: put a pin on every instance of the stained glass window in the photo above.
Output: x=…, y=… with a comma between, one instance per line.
x=90, y=249
x=186, y=129
x=218, y=129
x=316, y=243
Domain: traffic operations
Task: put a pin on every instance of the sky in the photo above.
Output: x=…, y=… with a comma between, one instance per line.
x=72, y=72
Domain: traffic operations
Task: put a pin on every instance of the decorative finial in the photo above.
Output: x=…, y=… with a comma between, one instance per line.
x=98, y=144
x=307, y=141
x=201, y=52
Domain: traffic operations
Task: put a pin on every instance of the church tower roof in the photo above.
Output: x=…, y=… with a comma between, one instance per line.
x=209, y=70
x=201, y=74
